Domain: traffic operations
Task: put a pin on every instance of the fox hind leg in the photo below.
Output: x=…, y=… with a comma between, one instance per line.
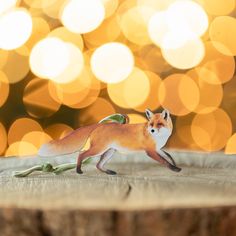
x=91, y=152
x=105, y=157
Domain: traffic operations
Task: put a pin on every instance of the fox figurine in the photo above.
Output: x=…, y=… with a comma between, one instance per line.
x=106, y=139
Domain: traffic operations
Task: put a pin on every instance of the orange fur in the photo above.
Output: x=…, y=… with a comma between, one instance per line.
x=105, y=139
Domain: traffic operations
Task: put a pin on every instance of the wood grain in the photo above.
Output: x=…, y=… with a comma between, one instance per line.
x=143, y=199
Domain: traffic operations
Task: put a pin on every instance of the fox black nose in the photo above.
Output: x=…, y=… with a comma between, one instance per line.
x=152, y=130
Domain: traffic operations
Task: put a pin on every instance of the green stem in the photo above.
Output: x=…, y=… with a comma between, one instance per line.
x=24, y=173
x=64, y=167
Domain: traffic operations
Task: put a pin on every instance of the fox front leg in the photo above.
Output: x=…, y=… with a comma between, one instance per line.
x=105, y=157
x=166, y=155
x=157, y=157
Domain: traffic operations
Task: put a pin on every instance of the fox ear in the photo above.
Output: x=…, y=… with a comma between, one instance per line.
x=149, y=114
x=165, y=114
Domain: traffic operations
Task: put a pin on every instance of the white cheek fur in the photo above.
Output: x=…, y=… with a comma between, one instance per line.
x=160, y=136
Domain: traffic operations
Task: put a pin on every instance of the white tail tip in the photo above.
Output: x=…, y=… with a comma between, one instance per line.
x=45, y=150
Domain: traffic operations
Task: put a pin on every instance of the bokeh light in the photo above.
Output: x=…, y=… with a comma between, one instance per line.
x=69, y=63
x=21, y=148
x=187, y=15
x=219, y=7
x=15, y=28
x=217, y=64
x=150, y=58
x=17, y=66
x=112, y=62
x=3, y=57
x=40, y=30
x=136, y=20
x=4, y=88
x=81, y=16
x=49, y=57
x=158, y=27
x=37, y=99
x=187, y=56
x=181, y=89
x=108, y=31
x=183, y=133
x=210, y=94
x=136, y=118
x=37, y=138
x=78, y=93
x=231, y=145
x=67, y=36
x=211, y=131
x=229, y=98
x=20, y=127
x=181, y=22
x=58, y=130
x=152, y=100
x=219, y=33
x=51, y=8
x=132, y=92
x=7, y=5
x=95, y=112
x=74, y=67
x=3, y=143
x=110, y=7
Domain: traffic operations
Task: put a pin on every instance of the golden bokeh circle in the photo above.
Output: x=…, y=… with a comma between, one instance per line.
x=108, y=31
x=231, y=145
x=229, y=98
x=3, y=142
x=152, y=101
x=58, y=130
x=95, y=112
x=17, y=66
x=151, y=59
x=136, y=118
x=220, y=66
x=20, y=127
x=37, y=138
x=110, y=7
x=181, y=89
x=4, y=88
x=40, y=30
x=38, y=100
x=53, y=8
x=223, y=32
x=131, y=92
x=219, y=7
x=68, y=36
x=210, y=94
x=182, y=133
x=81, y=92
x=211, y=131
x=3, y=58
x=21, y=148
x=134, y=23
x=187, y=56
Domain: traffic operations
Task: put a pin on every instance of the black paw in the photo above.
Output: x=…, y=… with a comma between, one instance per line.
x=111, y=172
x=79, y=171
x=175, y=168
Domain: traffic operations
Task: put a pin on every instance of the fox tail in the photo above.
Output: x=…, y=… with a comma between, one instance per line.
x=73, y=142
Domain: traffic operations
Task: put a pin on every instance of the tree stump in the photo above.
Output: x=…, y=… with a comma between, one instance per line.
x=144, y=198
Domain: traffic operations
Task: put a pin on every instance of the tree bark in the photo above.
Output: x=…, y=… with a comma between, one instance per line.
x=143, y=199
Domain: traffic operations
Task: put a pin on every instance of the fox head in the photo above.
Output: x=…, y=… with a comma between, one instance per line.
x=159, y=124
